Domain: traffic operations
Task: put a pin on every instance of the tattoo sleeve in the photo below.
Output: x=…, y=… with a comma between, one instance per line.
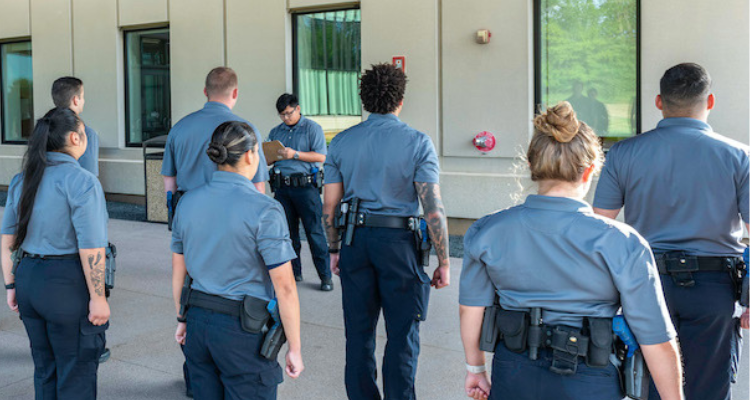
x=96, y=272
x=434, y=213
x=334, y=242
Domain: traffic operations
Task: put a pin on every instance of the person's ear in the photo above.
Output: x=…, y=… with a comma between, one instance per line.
x=74, y=139
x=588, y=173
x=711, y=102
x=235, y=93
x=659, y=102
x=205, y=92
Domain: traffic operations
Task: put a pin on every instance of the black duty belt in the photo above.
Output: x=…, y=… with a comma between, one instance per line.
x=670, y=264
x=387, y=221
x=215, y=303
x=296, y=181
x=74, y=256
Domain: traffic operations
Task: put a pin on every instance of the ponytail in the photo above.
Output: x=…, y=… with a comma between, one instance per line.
x=50, y=134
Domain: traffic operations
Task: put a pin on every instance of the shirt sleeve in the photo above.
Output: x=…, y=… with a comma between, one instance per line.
x=92, y=152
x=317, y=139
x=332, y=171
x=641, y=296
x=262, y=174
x=609, y=193
x=176, y=244
x=168, y=167
x=475, y=286
x=10, y=215
x=272, y=238
x=89, y=213
x=742, y=187
x=428, y=168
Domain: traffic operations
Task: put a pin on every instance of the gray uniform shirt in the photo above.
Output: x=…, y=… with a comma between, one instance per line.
x=90, y=158
x=378, y=161
x=683, y=186
x=185, y=153
x=304, y=136
x=69, y=213
x=556, y=254
x=230, y=235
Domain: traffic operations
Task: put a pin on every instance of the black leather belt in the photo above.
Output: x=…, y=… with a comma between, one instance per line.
x=297, y=181
x=215, y=303
x=671, y=263
x=387, y=221
x=74, y=256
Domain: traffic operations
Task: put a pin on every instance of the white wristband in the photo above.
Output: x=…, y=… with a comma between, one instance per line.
x=476, y=369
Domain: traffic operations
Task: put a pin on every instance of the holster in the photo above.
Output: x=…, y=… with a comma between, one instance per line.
x=275, y=179
x=490, y=332
x=636, y=377
x=110, y=266
x=275, y=337
x=740, y=282
x=254, y=316
x=185, y=295
x=424, y=245
x=16, y=256
x=173, y=211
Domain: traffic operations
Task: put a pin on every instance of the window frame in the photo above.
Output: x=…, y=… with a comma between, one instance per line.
x=295, y=57
x=125, y=32
x=3, y=140
x=537, y=11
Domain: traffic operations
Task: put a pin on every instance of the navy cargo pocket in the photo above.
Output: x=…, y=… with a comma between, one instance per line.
x=271, y=377
x=91, y=341
x=421, y=293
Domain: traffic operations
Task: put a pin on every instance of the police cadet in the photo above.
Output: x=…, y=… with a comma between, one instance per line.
x=185, y=166
x=685, y=189
x=553, y=257
x=67, y=92
x=296, y=180
x=58, y=288
x=377, y=172
x=237, y=256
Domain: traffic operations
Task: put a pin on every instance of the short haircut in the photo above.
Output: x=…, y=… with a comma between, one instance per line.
x=64, y=89
x=382, y=88
x=684, y=86
x=286, y=100
x=221, y=81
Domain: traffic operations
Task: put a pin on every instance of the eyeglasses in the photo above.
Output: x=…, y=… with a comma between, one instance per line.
x=287, y=114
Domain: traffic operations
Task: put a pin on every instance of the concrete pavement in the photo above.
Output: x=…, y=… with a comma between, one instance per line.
x=146, y=363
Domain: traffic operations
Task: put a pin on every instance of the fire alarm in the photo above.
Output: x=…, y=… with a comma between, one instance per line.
x=483, y=36
x=400, y=62
x=484, y=142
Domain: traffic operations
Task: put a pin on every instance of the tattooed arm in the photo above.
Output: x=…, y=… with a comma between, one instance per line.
x=437, y=225
x=93, y=269
x=332, y=196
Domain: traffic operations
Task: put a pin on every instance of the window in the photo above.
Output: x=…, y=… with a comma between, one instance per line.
x=328, y=63
x=147, y=87
x=587, y=52
x=17, y=114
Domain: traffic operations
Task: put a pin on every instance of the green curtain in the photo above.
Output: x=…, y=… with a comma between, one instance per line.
x=329, y=62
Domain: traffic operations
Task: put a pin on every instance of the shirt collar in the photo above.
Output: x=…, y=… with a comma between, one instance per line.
x=294, y=127
x=216, y=105
x=684, y=122
x=381, y=117
x=232, y=178
x=58, y=157
x=564, y=204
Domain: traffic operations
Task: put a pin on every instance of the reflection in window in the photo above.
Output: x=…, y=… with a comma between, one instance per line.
x=588, y=55
x=148, y=87
x=328, y=65
x=17, y=91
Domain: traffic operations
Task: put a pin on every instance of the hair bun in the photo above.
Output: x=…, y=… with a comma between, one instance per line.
x=217, y=152
x=559, y=121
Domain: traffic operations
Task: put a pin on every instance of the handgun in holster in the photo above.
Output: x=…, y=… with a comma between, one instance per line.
x=742, y=272
x=16, y=256
x=490, y=333
x=172, y=200
x=635, y=375
x=349, y=214
x=110, y=267
x=185, y=295
x=423, y=243
x=275, y=337
x=275, y=179
x=318, y=177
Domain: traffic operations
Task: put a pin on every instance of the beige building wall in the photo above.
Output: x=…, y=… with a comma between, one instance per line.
x=457, y=88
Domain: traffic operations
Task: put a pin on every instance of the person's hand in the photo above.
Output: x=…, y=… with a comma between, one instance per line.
x=477, y=385
x=442, y=277
x=745, y=319
x=335, y=263
x=180, y=333
x=294, y=365
x=98, y=311
x=287, y=153
x=10, y=294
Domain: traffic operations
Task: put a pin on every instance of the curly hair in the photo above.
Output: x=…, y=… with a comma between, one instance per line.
x=382, y=88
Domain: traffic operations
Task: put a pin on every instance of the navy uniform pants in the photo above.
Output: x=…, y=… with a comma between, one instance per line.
x=53, y=301
x=225, y=361
x=379, y=271
x=304, y=204
x=516, y=377
x=706, y=330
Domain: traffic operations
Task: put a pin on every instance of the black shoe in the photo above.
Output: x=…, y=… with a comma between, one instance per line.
x=326, y=286
x=104, y=357
x=298, y=278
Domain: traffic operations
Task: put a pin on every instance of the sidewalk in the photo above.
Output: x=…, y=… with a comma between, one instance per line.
x=146, y=362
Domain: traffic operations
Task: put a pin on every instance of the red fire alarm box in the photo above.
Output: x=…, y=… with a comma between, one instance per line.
x=400, y=62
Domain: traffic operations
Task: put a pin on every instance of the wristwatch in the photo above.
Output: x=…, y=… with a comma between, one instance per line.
x=10, y=286
x=181, y=319
x=478, y=369
x=296, y=155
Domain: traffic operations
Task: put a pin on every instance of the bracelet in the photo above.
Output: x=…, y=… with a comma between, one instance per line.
x=478, y=369
x=181, y=319
x=10, y=286
x=333, y=251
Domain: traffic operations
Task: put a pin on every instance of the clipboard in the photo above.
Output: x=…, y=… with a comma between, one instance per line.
x=271, y=151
